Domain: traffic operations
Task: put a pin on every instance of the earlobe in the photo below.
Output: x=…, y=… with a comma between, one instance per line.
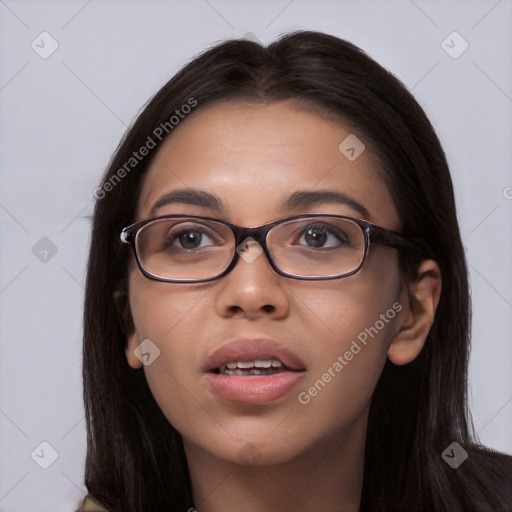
x=131, y=344
x=420, y=301
x=125, y=318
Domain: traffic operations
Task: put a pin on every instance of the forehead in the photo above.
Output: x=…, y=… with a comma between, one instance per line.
x=255, y=155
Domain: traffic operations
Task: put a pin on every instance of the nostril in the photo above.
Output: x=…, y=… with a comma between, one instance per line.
x=268, y=308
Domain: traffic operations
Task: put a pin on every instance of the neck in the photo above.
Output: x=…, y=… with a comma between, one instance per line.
x=328, y=477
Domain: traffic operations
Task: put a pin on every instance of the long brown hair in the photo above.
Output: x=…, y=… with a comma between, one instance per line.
x=135, y=459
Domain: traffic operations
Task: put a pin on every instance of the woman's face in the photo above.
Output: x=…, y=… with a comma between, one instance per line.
x=253, y=157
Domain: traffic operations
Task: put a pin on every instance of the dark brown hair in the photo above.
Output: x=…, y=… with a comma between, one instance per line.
x=135, y=459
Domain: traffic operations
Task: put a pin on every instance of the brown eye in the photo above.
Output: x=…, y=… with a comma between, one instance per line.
x=324, y=236
x=190, y=238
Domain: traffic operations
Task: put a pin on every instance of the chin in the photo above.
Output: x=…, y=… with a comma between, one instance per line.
x=251, y=446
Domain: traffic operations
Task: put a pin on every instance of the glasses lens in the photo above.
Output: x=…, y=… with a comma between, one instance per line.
x=317, y=246
x=185, y=248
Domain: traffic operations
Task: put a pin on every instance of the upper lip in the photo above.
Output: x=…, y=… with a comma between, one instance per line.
x=250, y=349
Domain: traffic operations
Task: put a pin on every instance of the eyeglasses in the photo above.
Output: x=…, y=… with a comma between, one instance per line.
x=188, y=248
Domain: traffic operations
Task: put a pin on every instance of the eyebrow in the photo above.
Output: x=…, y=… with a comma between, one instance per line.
x=307, y=198
x=300, y=200
x=192, y=196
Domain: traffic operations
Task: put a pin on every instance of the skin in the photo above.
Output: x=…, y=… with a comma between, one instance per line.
x=302, y=456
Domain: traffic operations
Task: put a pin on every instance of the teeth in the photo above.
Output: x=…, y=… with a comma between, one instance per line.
x=264, y=363
x=233, y=367
x=258, y=363
x=244, y=364
x=253, y=371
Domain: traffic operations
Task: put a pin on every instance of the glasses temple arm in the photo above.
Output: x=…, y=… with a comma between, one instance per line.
x=392, y=239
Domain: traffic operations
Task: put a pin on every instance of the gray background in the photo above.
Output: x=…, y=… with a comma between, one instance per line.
x=62, y=117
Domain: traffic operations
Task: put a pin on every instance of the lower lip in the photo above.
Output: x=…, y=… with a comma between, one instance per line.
x=254, y=389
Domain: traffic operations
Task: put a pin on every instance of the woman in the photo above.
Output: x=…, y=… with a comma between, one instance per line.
x=318, y=362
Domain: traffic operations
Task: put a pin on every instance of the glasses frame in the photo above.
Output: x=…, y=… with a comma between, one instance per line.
x=373, y=234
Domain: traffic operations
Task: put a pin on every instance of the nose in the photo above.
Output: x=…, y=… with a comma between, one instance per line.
x=252, y=289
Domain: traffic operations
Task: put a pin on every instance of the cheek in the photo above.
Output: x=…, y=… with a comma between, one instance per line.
x=171, y=319
x=357, y=318
x=161, y=311
x=347, y=366
x=339, y=310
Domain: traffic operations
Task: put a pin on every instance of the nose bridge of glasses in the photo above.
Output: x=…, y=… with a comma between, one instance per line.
x=245, y=238
x=258, y=234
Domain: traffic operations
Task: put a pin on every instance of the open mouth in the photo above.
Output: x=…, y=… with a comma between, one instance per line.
x=255, y=371
x=256, y=367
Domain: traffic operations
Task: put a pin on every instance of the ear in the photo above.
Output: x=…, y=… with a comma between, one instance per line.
x=419, y=300
x=132, y=342
x=125, y=318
